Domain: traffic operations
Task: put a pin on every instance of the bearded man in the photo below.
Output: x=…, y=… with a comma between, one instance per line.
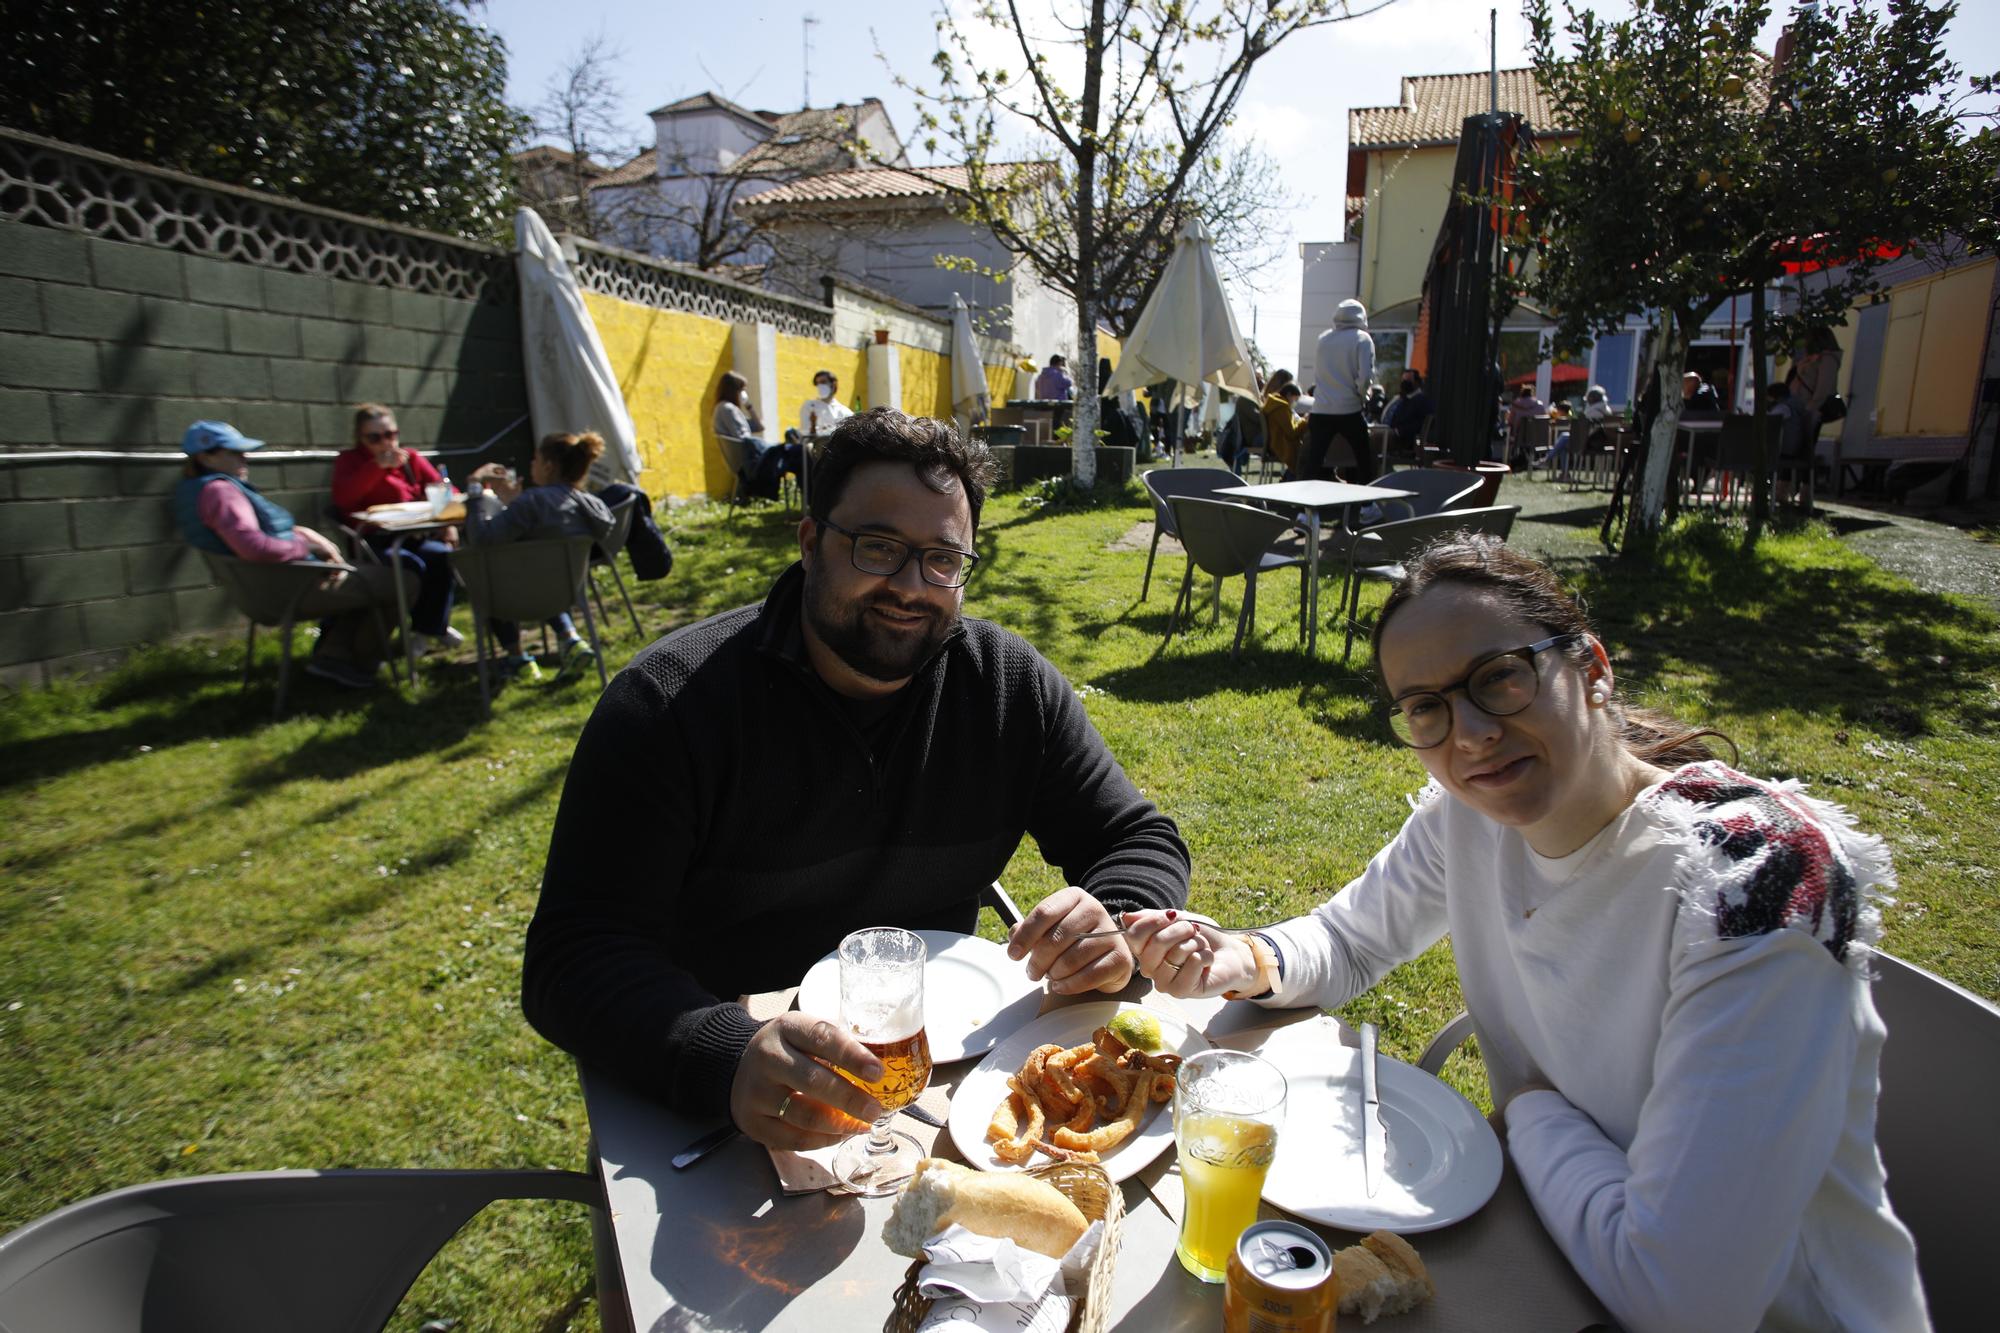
x=850, y=752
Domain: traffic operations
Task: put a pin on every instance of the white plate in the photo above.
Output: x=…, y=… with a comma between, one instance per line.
x=1443, y=1158
x=974, y=994
x=974, y=1100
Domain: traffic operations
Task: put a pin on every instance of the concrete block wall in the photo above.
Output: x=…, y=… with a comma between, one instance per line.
x=108, y=350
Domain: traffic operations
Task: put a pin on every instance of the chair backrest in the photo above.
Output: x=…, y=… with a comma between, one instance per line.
x=307, y=1251
x=1162, y=483
x=735, y=454
x=1436, y=488
x=1392, y=543
x=1934, y=1129
x=265, y=592
x=622, y=515
x=1736, y=443
x=1224, y=538
x=522, y=581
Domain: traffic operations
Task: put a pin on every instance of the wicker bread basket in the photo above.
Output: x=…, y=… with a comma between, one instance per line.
x=1091, y=1190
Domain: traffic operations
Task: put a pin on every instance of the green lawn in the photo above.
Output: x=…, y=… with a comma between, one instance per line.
x=234, y=945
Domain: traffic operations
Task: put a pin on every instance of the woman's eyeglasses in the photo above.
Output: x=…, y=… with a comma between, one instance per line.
x=944, y=566
x=377, y=436
x=1499, y=686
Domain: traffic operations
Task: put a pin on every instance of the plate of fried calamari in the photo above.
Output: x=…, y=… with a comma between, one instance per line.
x=1064, y=1088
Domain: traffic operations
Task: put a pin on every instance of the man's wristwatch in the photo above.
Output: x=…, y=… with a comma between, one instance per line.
x=1270, y=968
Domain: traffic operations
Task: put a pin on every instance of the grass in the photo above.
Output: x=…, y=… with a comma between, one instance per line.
x=239, y=945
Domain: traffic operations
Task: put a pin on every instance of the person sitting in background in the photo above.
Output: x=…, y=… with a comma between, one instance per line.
x=1243, y=434
x=554, y=505
x=1281, y=421
x=1596, y=412
x=763, y=464
x=1372, y=405
x=1408, y=413
x=1666, y=963
x=1698, y=398
x=1054, y=384
x=376, y=470
x=217, y=509
x=824, y=410
x=1524, y=408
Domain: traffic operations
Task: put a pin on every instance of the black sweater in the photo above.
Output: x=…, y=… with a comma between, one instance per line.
x=727, y=818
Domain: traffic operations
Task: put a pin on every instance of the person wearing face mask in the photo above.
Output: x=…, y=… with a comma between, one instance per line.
x=740, y=433
x=824, y=410
x=1666, y=963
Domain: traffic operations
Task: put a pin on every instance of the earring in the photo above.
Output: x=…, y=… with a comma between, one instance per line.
x=1598, y=697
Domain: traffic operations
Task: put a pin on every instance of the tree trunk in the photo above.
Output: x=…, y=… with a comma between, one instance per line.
x=1670, y=360
x=1083, y=439
x=1083, y=417
x=1760, y=491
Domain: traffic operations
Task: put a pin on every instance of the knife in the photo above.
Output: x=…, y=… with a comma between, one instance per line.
x=715, y=1138
x=1374, y=1141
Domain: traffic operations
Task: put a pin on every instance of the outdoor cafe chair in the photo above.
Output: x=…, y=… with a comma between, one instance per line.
x=279, y=593
x=305, y=1251
x=1435, y=490
x=1164, y=483
x=1379, y=551
x=1940, y=1080
x=524, y=581
x=605, y=554
x=1225, y=540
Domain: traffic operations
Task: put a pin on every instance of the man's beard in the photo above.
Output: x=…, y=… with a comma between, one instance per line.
x=869, y=648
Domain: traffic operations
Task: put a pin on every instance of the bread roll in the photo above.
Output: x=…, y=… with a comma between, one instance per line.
x=1031, y=1213
x=1382, y=1275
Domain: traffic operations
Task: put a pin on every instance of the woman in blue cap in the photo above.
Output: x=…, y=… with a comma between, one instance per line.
x=218, y=510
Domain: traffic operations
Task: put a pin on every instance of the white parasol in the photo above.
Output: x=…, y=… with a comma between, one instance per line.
x=1186, y=333
x=968, y=376
x=570, y=384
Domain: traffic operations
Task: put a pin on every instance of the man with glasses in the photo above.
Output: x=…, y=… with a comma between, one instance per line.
x=851, y=752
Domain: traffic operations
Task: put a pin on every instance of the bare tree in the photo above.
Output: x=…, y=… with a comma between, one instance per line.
x=1127, y=99
x=578, y=113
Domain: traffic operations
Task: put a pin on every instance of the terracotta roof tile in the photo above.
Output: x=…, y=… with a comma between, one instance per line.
x=1435, y=107
x=863, y=183
x=804, y=142
x=641, y=168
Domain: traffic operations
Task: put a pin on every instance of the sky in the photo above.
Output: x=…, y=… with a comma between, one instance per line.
x=1294, y=109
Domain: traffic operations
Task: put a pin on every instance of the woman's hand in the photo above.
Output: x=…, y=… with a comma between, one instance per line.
x=1189, y=958
x=319, y=547
x=391, y=456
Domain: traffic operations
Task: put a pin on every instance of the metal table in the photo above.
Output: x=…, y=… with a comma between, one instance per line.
x=719, y=1246
x=1313, y=498
x=402, y=532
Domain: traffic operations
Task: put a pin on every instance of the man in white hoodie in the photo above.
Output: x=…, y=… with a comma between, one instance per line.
x=1346, y=367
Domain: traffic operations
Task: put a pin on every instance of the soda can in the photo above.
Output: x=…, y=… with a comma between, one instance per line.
x=1280, y=1280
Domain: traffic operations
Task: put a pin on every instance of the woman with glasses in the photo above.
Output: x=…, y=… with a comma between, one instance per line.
x=1665, y=962
x=380, y=469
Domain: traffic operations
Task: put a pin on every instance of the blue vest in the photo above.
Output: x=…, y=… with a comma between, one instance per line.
x=271, y=517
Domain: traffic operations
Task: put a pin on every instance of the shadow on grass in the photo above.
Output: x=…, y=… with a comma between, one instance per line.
x=1585, y=516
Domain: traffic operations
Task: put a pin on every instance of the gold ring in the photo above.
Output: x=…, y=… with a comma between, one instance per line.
x=1178, y=966
x=784, y=1105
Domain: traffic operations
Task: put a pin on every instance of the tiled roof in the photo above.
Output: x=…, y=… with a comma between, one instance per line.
x=863, y=183
x=641, y=168
x=547, y=157
x=709, y=102
x=804, y=142
x=1435, y=107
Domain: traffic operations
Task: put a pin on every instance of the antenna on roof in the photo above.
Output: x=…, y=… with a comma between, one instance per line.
x=1493, y=49
x=806, y=23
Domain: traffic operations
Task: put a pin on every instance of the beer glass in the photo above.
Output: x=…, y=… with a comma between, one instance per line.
x=882, y=1005
x=1227, y=1109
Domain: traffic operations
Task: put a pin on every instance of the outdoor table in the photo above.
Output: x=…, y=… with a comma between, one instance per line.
x=401, y=532
x=719, y=1246
x=1313, y=498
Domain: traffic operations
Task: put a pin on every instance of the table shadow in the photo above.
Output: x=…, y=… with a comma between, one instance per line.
x=742, y=1272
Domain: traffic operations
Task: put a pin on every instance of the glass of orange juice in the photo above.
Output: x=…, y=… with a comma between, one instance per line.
x=1227, y=1109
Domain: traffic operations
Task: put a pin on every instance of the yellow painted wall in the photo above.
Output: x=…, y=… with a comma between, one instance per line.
x=1407, y=193
x=926, y=383
x=667, y=364
x=1108, y=346
x=799, y=359
x=1000, y=383
x=1931, y=353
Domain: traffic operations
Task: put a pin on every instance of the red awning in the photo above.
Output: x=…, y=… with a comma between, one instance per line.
x=1561, y=373
x=1810, y=254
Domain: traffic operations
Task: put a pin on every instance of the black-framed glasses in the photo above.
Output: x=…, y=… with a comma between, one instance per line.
x=377, y=436
x=1499, y=686
x=943, y=566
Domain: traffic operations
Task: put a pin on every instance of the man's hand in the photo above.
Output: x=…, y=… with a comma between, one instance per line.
x=782, y=1095
x=1048, y=938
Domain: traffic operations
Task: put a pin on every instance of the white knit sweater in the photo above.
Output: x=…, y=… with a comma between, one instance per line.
x=1692, y=982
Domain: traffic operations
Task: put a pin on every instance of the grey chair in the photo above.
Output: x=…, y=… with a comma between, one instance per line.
x=305, y=1251
x=605, y=556
x=1163, y=484
x=279, y=594
x=1379, y=551
x=524, y=581
x=1437, y=489
x=1940, y=1077
x=1226, y=540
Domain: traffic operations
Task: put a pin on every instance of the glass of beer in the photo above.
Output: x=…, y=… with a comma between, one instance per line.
x=1227, y=1109
x=882, y=1004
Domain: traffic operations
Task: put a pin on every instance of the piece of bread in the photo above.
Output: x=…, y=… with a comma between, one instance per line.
x=1382, y=1275
x=1031, y=1213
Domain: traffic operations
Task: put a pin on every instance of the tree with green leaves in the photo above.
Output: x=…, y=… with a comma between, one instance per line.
x=1683, y=168
x=392, y=109
x=1114, y=111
